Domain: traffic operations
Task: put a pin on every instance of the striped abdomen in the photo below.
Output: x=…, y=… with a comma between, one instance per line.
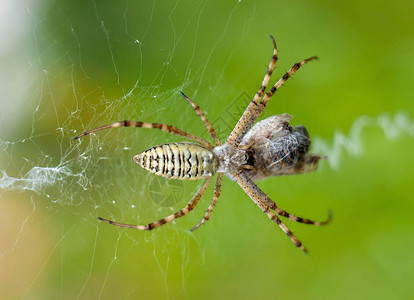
x=185, y=161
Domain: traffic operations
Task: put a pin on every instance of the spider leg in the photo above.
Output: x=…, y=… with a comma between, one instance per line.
x=241, y=180
x=189, y=207
x=168, y=128
x=200, y=113
x=272, y=205
x=253, y=104
x=262, y=105
x=213, y=202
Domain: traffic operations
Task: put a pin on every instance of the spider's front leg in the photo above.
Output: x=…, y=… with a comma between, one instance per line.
x=272, y=205
x=241, y=180
x=255, y=101
x=262, y=105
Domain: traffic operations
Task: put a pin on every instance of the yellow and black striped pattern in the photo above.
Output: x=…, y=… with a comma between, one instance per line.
x=184, y=161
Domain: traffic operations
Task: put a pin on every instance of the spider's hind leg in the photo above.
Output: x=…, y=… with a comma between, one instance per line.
x=212, y=204
x=208, y=125
x=189, y=207
x=163, y=127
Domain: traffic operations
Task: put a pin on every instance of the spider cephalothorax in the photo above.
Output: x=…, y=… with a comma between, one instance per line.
x=251, y=152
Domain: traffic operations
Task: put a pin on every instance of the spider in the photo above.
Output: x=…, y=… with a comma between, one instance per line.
x=271, y=147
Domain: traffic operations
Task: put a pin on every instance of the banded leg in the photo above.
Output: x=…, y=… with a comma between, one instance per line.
x=253, y=104
x=261, y=106
x=167, y=128
x=213, y=202
x=200, y=113
x=189, y=207
x=265, y=208
x=272, y=205
x=285, y=229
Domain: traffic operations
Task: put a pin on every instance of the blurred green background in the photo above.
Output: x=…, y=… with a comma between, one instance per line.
x=69, y=66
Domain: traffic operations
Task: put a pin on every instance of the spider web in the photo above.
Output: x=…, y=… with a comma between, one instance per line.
x=74, y=67
x=65, y=94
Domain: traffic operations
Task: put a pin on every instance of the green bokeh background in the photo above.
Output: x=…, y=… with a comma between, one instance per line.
x=68, y=66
